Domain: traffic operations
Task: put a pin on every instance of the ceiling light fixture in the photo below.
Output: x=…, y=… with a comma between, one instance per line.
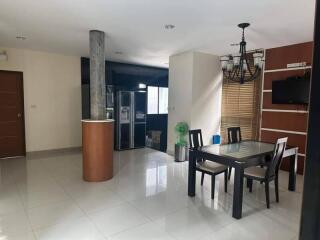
x=142, y=85
x=21, y=38
x=237, y=67
x=118, y=52
x=169, y=26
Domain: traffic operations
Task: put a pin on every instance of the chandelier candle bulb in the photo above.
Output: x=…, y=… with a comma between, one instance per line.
x=224, y=62
x=236, y=59
x=230, y=66
x=257, y=58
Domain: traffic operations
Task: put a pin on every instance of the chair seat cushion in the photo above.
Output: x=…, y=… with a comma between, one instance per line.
x=210, y=166
x=255, y=172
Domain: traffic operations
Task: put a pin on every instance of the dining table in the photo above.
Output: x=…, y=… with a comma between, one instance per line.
x=239, y=155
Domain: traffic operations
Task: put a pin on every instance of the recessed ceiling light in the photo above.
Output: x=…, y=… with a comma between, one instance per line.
x=169, y=26
x=21, y=38
x=118, y=52
x=142, y=85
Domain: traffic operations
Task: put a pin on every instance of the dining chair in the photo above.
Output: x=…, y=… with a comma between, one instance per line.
x=234, y=136
x=205, y=166
x=266, y=175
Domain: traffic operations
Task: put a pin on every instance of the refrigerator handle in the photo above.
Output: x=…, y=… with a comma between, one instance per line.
x=132, y=120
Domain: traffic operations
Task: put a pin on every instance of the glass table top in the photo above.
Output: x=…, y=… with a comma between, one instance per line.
x=240, y=151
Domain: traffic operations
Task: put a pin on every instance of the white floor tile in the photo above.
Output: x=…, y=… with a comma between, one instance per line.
x=160, y=205
x=25, y=236
x=146, y=199
x=38, y=185
x=43, y=198
x=97, y=200
x=14, y=224
x=9, y=199
x=75, y=185
x=148, y=231
x=56, y=213
x=117, y=219
x=79, y=229
x=252, y=227
x=190, y=223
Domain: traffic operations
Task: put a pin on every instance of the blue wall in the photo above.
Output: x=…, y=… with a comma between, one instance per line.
x=127, y=77
x=124, y=74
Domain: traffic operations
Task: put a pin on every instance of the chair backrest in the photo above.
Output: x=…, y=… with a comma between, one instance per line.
x=195, y=138
x=279, y=149
x=234, y=135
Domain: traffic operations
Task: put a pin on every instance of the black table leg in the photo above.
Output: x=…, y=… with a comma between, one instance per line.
x=293, y=172
x=238, y=192
x=192, y=174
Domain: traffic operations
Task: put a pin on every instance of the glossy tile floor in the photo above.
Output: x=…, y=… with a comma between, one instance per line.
x=43, y=197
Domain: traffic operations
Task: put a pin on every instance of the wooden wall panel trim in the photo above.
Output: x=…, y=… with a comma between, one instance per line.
x=285, y=121
x=296, y=140
x=282, y=75
x=278, y=58
x=267, y=104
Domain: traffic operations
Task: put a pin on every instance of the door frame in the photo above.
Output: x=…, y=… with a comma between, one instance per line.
x=23, y=112
x=310, y=212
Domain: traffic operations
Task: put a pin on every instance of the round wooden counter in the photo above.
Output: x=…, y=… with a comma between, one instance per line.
x=97, y=149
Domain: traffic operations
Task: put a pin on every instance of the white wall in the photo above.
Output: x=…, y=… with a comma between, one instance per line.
x=180, y=93
x=52, y=97
x=206, y=95
x=195, y=88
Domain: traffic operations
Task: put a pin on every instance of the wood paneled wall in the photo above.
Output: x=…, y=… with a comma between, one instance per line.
x=285, y=120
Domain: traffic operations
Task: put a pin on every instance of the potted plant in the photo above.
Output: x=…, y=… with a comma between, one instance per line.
x=181, y=146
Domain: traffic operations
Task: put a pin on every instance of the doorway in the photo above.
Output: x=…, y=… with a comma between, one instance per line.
x=12, y=129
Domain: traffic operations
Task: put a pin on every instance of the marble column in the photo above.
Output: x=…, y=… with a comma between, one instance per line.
x=97, y=76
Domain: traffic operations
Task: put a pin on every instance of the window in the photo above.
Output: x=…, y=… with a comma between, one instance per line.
x=157, y=100
x=163, y=100
x=241, y=108
x=153, y=97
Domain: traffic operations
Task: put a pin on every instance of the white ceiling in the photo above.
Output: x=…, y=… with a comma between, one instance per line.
x=136, y=27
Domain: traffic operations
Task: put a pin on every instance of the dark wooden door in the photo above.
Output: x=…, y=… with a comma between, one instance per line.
x=12, y=137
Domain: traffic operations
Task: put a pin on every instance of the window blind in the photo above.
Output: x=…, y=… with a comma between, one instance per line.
x=241, y=107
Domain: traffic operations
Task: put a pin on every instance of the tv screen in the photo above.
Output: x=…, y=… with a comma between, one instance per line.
x=291, y=91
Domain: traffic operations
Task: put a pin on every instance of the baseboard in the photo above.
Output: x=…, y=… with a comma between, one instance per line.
x=53, y=152
x=170, y=152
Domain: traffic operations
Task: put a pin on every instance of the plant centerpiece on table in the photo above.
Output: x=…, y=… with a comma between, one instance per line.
x=181, y=149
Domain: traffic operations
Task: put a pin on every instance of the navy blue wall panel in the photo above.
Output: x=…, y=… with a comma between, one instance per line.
x=127, y=77
x=124, y=74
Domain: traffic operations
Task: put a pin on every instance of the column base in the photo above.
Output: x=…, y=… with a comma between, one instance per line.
x=97, y=150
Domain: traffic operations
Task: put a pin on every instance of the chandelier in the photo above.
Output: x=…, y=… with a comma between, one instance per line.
x=237, y=68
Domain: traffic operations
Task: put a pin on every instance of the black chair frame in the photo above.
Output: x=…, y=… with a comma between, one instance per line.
x=195, y=141
x=234, y=136
x=272, y=171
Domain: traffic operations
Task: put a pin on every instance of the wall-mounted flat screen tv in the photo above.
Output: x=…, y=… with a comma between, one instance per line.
x=291, y=91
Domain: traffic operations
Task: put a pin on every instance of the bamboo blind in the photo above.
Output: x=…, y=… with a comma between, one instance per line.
x=241, y=107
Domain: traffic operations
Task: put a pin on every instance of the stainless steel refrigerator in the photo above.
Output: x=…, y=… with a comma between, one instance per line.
x=131, y=120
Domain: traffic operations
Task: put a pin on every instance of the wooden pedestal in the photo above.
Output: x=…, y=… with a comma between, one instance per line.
x=97, y=144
